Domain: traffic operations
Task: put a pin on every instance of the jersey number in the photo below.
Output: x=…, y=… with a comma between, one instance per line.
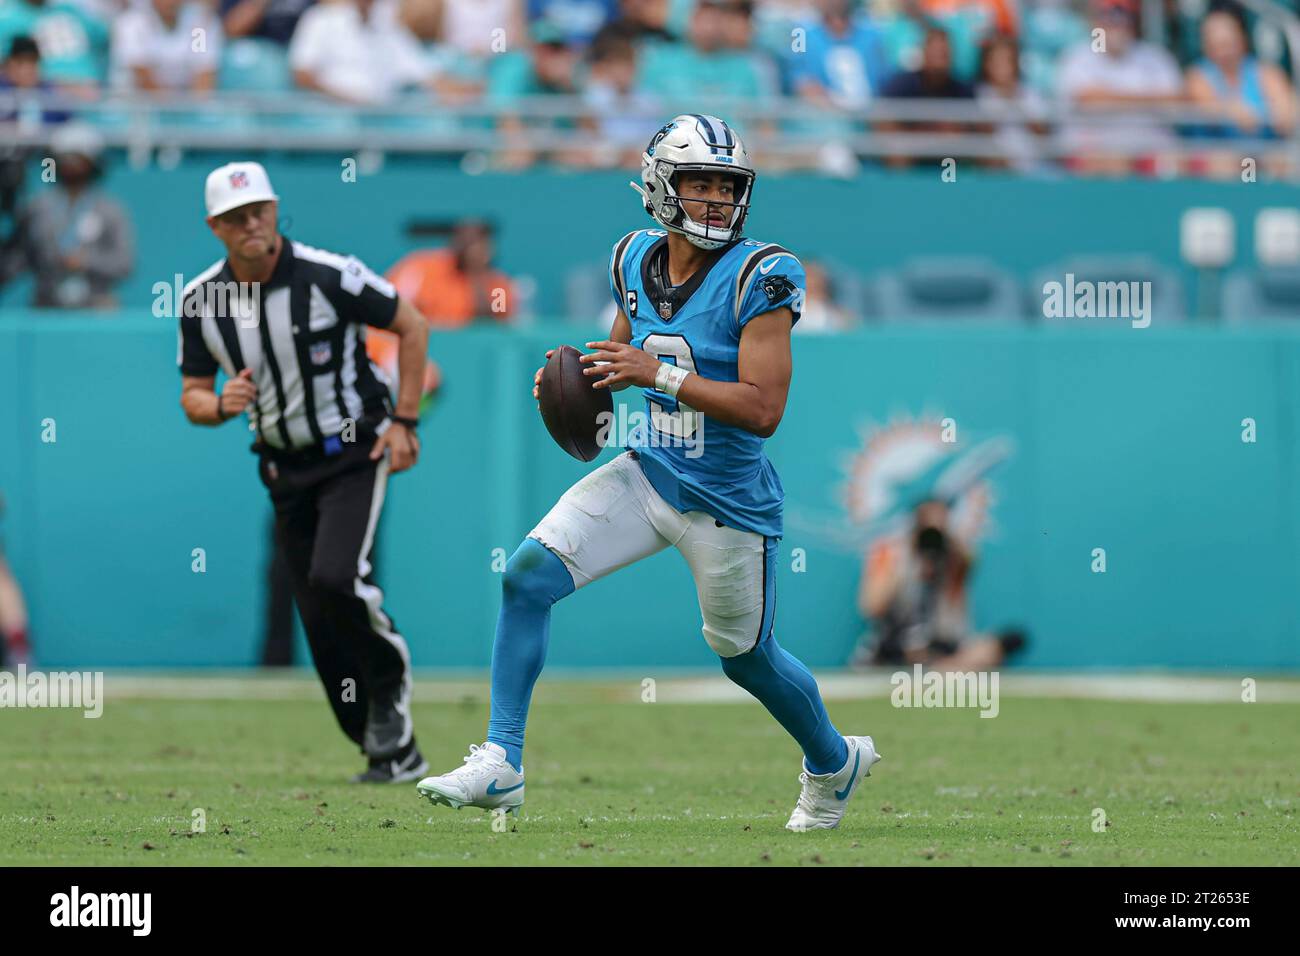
x=683, y=420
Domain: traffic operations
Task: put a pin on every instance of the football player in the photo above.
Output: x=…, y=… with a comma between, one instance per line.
x=704, y=328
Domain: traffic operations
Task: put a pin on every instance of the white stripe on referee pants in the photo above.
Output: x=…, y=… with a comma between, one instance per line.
x=373, y=598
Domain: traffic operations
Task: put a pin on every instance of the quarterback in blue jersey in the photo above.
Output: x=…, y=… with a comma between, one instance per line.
x=703, y=328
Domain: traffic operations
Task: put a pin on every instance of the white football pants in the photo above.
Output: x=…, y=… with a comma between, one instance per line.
x=614, y=517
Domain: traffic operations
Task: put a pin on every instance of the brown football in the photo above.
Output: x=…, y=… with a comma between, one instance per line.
x=571, y=407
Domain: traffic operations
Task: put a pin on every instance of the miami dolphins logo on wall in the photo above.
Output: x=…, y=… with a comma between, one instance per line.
x=901, y=463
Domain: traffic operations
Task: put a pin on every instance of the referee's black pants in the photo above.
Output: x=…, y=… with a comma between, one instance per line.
x=325, y=516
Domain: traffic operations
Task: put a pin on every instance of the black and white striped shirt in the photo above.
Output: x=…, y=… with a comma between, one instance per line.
x=302, y=334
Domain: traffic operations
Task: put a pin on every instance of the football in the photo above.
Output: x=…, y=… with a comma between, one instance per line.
x=571, y=407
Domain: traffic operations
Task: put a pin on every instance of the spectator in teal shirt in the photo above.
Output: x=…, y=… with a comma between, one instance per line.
x=705, y=68
x=73, y=44
x=836, y=65
x=841, y=60
x=549, y=67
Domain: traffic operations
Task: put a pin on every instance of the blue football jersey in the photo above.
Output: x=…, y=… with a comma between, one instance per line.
x=694, y=462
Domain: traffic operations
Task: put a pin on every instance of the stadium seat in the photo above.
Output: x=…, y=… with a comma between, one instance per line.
x=1253, y=295
x=949, y=288
x=253, y=65
x=1169, y=304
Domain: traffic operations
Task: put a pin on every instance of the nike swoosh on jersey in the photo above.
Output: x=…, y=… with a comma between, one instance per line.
x=770, y=266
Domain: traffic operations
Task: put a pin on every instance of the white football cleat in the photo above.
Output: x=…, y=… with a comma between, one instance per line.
x=825, y=796
x=486, y=780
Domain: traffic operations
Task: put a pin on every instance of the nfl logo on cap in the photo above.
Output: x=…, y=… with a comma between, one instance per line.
x=235, y=185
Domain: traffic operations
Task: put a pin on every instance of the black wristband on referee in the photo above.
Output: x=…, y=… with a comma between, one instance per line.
x=411, y=423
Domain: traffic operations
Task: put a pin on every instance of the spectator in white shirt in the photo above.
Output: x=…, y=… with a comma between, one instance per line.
x=166, y=45
x=472, y=26
x=1126, y=76
x=1017, y=110
x=357, y=51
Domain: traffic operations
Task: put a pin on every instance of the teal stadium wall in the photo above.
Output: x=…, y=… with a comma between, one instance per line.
x=1124, y=439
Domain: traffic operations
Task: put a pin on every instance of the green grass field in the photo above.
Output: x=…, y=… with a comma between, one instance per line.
x=613, y=781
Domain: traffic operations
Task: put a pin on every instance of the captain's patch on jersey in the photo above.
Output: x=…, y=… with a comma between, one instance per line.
x=631, y=303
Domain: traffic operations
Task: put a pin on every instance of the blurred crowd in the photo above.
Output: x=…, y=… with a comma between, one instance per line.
x=626, y=62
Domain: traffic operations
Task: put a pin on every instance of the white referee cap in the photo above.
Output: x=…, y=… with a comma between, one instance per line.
x=236, y=184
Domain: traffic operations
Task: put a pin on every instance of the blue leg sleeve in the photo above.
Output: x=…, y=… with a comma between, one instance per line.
x=535, y=579
x=783, y=685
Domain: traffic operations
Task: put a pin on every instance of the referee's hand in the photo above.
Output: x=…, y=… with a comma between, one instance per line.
x=238, y=393
x=402, y=444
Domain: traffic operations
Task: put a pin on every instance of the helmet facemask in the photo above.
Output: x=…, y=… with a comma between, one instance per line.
x=704, y=234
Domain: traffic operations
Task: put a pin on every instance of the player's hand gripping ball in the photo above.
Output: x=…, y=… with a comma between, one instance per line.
x=576, y=414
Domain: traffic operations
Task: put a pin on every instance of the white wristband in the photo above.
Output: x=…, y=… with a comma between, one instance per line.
x=669, y=379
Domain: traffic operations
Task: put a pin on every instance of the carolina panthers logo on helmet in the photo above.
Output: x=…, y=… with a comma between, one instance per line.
x=658, y=137
x=777, y=288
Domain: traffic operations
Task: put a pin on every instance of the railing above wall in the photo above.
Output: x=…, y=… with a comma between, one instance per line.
x=783, y=129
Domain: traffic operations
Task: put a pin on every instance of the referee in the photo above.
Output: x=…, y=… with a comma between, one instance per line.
x=286, y=324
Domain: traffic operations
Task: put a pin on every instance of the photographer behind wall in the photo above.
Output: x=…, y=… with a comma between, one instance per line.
x=914, y=592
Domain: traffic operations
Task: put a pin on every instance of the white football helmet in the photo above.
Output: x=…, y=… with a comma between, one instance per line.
x=695, y=142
